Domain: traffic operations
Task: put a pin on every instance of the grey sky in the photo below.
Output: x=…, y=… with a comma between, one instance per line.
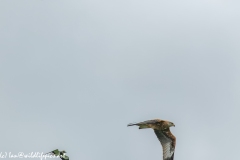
x=73, y=74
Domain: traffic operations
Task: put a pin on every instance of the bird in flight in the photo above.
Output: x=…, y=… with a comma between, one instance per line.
x=163, y=133
x=61, y=154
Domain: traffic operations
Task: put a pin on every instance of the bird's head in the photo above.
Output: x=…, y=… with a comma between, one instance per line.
x=64, y=152
x=170, y=124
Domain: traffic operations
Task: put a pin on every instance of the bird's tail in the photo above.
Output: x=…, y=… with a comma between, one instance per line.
x=141, y=125
x=131, y=124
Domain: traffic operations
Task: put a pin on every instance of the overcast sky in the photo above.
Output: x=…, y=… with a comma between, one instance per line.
x=74, y=73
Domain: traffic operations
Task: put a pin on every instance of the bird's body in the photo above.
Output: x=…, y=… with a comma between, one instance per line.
x=163, y=133
x=61, y=154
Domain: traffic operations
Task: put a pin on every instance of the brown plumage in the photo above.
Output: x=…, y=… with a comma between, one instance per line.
x=163, y=133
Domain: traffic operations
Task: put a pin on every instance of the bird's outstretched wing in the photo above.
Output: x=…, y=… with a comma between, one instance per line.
x=56, y=152
x=168, y=142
